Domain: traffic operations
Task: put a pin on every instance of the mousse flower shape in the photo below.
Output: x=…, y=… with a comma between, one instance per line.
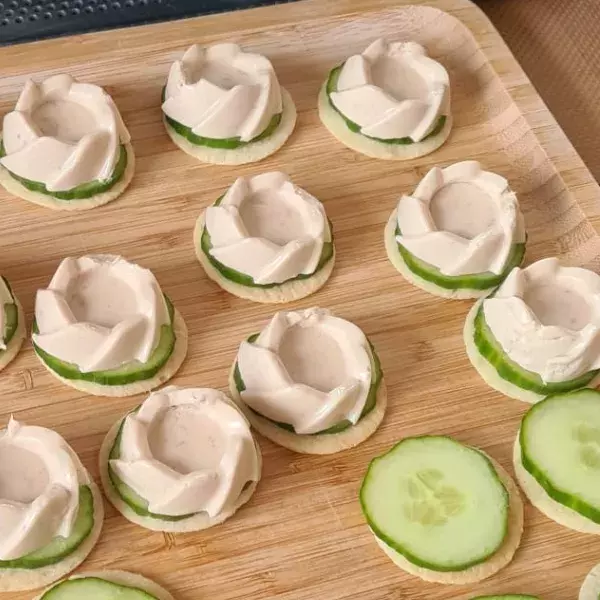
x=222, y=92
x=392, y=91
x=100, y=312
x=63, y=134
x=45, y=470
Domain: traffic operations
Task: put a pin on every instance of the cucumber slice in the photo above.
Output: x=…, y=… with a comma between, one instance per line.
x=94, y=588
x=11, y=316
x=128, y=373
x=507, y=369
x=338, y=427
x=438, y=503
x=59, y=548
x=331, y=86
x=560, y=448
x=85, y=190
x=506, y=597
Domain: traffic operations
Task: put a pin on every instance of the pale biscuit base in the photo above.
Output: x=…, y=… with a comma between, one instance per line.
x=286, y=292
x=590, y=588
x=195, y=523
x=124, y=578
x=360, y=143
x=490, y=567
x=327, y=443
x=15, y=188
x=391, y=248
x=137, y=387
x=539, y=498
x=253, y=152
x=13, y=347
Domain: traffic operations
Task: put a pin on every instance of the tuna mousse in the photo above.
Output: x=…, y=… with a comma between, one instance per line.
x=224, y=106
x=51, y=510
x=65, y=146
x=390, y=102
x=104, y=327
x=185, y=460
x=12, y=324
x=310, y=382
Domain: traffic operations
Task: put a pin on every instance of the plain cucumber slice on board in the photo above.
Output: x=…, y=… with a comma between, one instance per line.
x=85, y=190
x=560, y=448
x=438, y=503
x=129, y=373
x=331, y=86
x=59, y=548
x=507, y=369
x=339, y=427
x=94, y=588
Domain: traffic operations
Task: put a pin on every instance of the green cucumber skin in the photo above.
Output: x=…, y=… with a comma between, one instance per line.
x=60, y=548
x=83, y=191
x=391, y=544
x=331, y=86
x=127, y=373
x=510, y=371
x=339, y=427
x=583, y=508
x=96, y=588
x=11, y=316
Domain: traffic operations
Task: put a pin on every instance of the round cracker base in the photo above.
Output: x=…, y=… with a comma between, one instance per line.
x=536, y=494
x=360, y=143
x=490, y=567
x=131, y=389
x=251, y=153
x=328, y=443
x=12, y=186
x=286, y=292
x=195, y=523
x=124, y=578
x=590, y=588
x=394, y=256
x=13, y=347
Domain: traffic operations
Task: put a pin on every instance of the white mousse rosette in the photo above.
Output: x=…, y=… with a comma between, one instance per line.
x=65, y=146
x=310, y=382
x=223, y=105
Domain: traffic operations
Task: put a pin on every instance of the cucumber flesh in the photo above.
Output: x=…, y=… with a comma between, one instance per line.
x=560, y=448
x=94, y=588
x=128, y=373
x=59, y=548
x=489, y=347
x=438, y=503
x=331, y=86
x=85, y=190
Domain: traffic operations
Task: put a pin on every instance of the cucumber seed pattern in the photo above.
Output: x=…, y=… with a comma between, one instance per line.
x=588, y=438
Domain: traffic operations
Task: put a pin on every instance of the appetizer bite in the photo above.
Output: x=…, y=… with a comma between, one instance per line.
x=557, y=459
x=65, y=146
x=266, y=240
x=391, y=102
x=538, y=334
x=12, y=324
x=185, y=460
x=51, y=510
x=441, y=510
x=459, y=234
x=310, y=382
x=104, y=327
x=225, y=106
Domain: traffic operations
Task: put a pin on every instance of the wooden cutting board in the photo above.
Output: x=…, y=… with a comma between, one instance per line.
x=302, y=535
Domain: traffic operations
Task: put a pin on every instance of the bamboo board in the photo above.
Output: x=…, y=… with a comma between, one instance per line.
x=302, y=535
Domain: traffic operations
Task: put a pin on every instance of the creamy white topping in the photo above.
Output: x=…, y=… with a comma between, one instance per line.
x=5, y=298
x=547, y=319
x=308, y=369
x=222, y=92
x=39, y=489
x=393, y=91
x=100, y=312
x=268, y=228
x=461, y=220
x=187, y=451
x=63, y=133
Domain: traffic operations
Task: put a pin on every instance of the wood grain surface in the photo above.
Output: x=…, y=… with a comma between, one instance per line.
x=302, y=536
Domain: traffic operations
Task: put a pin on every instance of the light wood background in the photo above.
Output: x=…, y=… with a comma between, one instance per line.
x=302, y=535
